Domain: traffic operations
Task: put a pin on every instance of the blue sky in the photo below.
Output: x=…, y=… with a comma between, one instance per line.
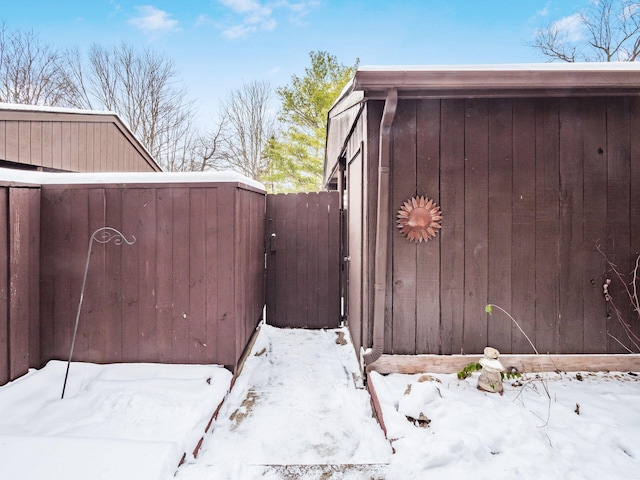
x=219, y=44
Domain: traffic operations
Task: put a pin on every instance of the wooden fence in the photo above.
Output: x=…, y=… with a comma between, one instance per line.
x=189, y=290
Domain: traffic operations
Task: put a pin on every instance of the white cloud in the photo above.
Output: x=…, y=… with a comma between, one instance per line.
x=571, y=26
x=254, y=15
x=153, y=20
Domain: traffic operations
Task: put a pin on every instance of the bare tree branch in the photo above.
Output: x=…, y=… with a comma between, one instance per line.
x=606, y=31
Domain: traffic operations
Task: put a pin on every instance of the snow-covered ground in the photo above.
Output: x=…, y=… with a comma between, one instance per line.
x=546, y=426
x=116, y=422
x=296, y=402
x=296, y=411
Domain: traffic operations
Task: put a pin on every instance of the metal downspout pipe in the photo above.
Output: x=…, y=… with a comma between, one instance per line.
x=382, y=234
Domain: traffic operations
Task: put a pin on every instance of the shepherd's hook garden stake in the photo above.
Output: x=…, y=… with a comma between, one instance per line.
x=101, y=235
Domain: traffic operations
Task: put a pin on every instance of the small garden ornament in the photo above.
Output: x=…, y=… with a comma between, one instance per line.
x=490, y=379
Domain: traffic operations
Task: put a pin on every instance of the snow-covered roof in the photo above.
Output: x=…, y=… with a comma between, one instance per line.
x=497, y=80
x=40, y=108
x=24, y=177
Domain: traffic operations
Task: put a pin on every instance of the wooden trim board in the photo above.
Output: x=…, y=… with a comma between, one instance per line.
x=410, y=364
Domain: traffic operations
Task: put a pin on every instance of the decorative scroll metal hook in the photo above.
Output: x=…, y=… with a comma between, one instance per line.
x=101, y=235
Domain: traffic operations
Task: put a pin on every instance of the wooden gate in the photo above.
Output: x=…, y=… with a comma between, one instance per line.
x=303, y=260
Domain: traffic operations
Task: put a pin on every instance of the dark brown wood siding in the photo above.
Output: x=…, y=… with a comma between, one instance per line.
x=190, y=290
x=70, y=142
x=19, y=285
x=527, y=187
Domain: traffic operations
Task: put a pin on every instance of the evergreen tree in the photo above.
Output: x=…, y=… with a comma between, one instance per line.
x=297, y=156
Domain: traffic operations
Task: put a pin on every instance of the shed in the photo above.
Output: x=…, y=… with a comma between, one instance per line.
x=69, y=140
x=532, y=166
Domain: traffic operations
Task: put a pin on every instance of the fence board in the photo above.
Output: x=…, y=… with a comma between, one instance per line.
x=197, y=327
x=147, y=246
x=180, y=275
x=226, y=288
x=212, y=260
x=164, y=272
x=132, y=199
x=4, y=285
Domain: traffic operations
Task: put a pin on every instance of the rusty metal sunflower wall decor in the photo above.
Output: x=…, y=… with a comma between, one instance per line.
x=419, y=219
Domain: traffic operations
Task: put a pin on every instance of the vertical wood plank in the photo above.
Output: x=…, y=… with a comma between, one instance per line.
x=24, y=142
x=18, y=311
x=226, y=341
x=197, y=276
x=65, y=146
x=212, y=235
x=82, y=147
x=34, y=277
x=291, y=261
x=65, y=249
x=164, y=272
x=453, y=225
x=3, y=139
x=403, y=252
x=523, y=253
x=323, y=275
x=56, y=145
x=47, y=144
x=271, y=243
x=180, y=315
x=428, y=255
x=50, y=238
x=113, y=277
x=334, y=261
x=355, y=250
x=300, y=224
x=634, y=117
x=315, y=253
x=476, y=224
x=146, y=244
x=547, y=215
x=94, y=309
x=240, y=272
x=36, y=143
x=499, y=273
x=74, y=160
x=130, y=281
x=12, y=145
x=571, y=315
x=90, y=320
x=618, y=229
x=4, y=282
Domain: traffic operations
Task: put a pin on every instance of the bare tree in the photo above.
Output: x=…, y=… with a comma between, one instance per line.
x=247, y=125
x=142, y=87
x=31, y=72
x=605, y=31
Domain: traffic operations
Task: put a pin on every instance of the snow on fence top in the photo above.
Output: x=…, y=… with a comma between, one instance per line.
x=22, y=177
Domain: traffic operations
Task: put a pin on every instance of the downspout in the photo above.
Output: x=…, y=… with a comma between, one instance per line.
x=380, y=251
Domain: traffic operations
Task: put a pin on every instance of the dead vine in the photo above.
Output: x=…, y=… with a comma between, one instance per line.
x=631, y=290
